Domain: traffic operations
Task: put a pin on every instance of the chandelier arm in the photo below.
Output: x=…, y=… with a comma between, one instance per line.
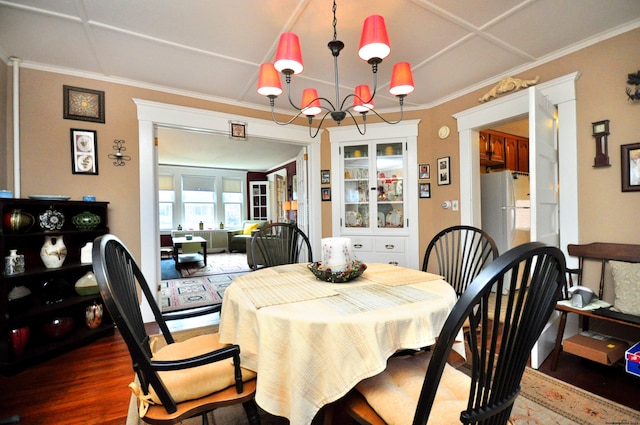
x=313, y=136
x=364, y=122
x=275, y=120
x=288, y=80
x=386, y=120
x=344, y=101
x=374, y=71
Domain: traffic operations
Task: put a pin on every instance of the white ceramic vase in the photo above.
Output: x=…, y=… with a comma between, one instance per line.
x=53, y=252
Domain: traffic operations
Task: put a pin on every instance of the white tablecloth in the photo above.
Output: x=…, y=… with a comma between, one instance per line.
x=311, y=342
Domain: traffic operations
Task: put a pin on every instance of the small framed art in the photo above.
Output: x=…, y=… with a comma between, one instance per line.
x=444, y=174
x=326, y=193
x=238, y=130
x=84, y=151
x=83, y=104
x=630, y=167
x=325, y=177
x=424, y=171
x=425, y=190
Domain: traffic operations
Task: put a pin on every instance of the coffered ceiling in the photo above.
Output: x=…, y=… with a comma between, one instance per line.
x=213, y=48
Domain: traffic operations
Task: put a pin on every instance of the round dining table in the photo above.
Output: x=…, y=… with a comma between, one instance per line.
x=311, y=341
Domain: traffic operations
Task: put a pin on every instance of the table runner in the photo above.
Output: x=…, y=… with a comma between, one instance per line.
x=296, y=283
x=292, y=287
x=395, y=276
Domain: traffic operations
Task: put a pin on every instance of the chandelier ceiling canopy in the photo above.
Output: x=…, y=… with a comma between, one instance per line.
x=374, y=48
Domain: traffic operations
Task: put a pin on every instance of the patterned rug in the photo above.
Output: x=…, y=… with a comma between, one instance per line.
x=218, y=264
x=546, y=400
x=181, y=294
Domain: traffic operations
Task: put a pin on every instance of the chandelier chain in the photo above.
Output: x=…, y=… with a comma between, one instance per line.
x=335, y=21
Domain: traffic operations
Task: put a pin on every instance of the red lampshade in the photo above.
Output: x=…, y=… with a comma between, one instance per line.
x=310, y=102
x=362, y=101
x=289, y=55
x=269, y=81
x=401, y=80
x=374, y=42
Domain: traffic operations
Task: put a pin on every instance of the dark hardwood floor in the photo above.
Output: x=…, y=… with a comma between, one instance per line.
x=89, y=385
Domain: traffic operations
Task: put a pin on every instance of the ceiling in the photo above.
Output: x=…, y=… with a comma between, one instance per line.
x=212, y=49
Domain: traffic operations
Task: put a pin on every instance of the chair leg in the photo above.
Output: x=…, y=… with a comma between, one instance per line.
x=251, y=409
x=558, y=346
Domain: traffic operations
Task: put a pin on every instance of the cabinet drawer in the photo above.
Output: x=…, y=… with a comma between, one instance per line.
x=361, y=245
x=385, y=245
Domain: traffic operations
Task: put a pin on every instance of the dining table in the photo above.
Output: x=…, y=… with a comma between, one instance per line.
x=311, y=341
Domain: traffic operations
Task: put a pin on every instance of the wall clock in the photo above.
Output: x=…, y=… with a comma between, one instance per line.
x=443, y=132
x=600, y=132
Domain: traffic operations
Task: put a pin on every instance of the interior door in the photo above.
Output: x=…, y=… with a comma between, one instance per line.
x=543, y=169
x=302, y=172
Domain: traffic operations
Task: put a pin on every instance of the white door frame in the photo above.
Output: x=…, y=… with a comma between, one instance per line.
x=152, y=114
x=561, y=91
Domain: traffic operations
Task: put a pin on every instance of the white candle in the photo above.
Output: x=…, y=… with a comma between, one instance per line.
x=336, y=253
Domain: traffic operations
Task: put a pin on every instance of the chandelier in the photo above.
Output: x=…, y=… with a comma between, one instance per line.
x=374, y=47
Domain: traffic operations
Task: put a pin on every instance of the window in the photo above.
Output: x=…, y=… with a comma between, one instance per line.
x=167, y=200
x=232, y=199
x=198, y=201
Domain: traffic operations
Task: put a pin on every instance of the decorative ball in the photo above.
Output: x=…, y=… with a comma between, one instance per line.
x=86, y=221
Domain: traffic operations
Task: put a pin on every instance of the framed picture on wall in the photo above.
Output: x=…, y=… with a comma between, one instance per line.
x=424, y=171
x=630, y=167
x=444, y=175
x=83, y=104
x=425, y=190
x=326, y=193
x=325, y=177
x=84, y=151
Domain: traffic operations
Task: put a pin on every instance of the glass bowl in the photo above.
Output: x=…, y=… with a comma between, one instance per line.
x=353, y=271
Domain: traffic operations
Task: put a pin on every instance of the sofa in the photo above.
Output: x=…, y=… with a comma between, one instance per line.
x=238, y=238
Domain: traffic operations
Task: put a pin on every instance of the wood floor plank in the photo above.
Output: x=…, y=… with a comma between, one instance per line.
x=90, y=385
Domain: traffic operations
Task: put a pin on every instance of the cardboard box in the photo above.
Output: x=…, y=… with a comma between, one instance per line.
x=599, y=348
x=632, y=360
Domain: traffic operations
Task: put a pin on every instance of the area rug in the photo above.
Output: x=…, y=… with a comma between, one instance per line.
x=218, y=264
x=546, y=400
x=192, y=292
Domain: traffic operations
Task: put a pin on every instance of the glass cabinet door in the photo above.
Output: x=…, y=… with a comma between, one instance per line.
x=374, y=186
x=390, y=185
x=356, y=186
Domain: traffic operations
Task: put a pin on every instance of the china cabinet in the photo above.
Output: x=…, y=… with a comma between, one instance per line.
x=375, y=192
x=42, y=313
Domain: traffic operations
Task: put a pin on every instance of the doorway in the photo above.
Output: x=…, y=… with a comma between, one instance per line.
x=561, y=93
x=152, y=114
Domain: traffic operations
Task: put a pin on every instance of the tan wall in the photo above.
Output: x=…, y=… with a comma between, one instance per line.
x=46, y=152
x=605, y=213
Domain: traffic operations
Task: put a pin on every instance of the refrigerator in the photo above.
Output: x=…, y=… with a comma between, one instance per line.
x=505, y=208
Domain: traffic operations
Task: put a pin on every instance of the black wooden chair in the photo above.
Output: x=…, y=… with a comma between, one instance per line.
x=498, y=350
x=279, y=243
x=182, y=379
x=460, y=253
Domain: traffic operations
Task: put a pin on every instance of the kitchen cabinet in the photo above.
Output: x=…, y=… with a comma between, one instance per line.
x=492, y=149
x=41, y=314
x=501, y=150
x=374, y=197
